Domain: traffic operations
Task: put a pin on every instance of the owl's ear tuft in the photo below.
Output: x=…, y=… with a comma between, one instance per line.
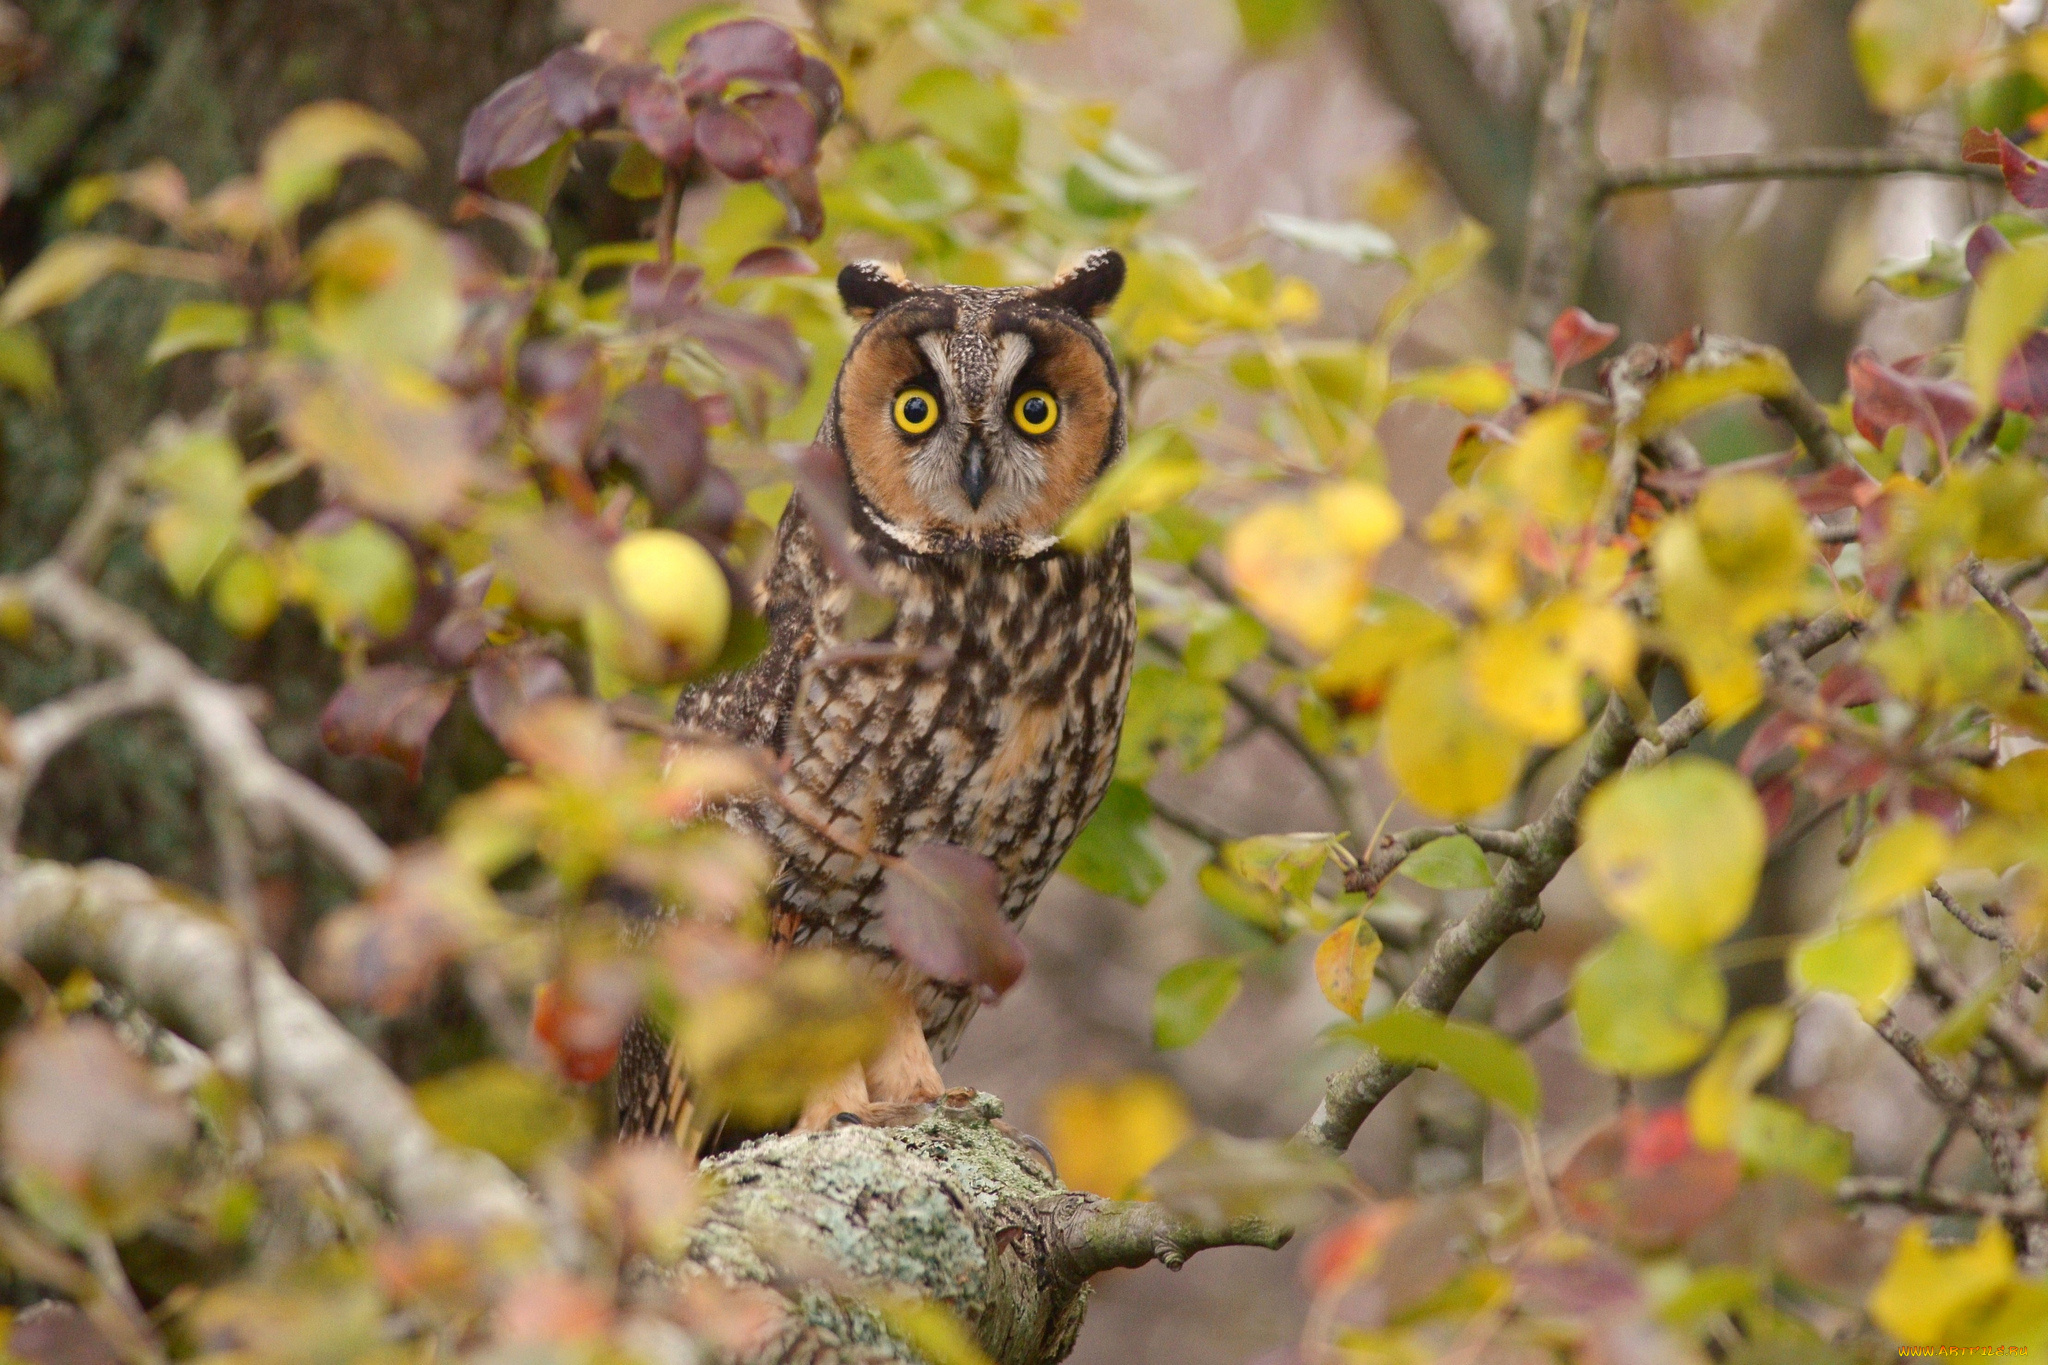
x=867, y=287
x=1090, y=286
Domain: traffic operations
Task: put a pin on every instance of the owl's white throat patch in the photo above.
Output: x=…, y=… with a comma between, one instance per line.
x=924, y=541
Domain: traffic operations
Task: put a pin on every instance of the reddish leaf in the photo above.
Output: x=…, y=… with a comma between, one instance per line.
x=1584, y=1281
x=659, y=434
x=387, y=952
x=2023, y=386
x=1835, y=489
x=1780, y=730
x=791, y=128
x=798, y=192
x=57, y=1333
x=1578, y=336
x=514, y=126
x=659, y=116
x=942, y=909
x=505, y=682
x=390, y=711
x=742, y=50
x=1848, y=685
x=662, y=295
x=1640, y=1180
x=826, y=495
x=769, y=262
x=1938, y=804
x=570, y=79
x=1840, y=770
x=1986, y=242
x=2026, y=177
x=1776, y=795
x=468, y=625
x=716, y=507
x=581, y=1018
x=821, y=86
x=82, y=1111
x=568, y=383
x=750, y=341
x=732, y=142
x=1889, y=396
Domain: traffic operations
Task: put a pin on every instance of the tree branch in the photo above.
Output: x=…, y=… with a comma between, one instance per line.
x=1816, y=163
x=1090, y=1234
x=186, y=971
x=1879, y=1189
x=1993, y=592
x=214, y=714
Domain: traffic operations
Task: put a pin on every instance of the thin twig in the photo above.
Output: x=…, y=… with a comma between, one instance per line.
x=1885, y=1189
x=1818, y=163
x=1194, y=826
x=1991, y=591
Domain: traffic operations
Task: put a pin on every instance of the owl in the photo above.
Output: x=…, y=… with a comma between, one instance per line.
x=971, y=422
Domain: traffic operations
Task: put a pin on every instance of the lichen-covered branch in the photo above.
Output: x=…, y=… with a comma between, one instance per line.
x=1090, y=1235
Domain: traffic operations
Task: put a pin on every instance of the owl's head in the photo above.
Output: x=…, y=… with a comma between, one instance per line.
x=977, y=416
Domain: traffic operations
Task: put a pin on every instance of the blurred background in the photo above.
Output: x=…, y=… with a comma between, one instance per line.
x=1404, y=113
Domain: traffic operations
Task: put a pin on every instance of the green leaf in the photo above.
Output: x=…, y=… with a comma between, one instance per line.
x=1774, y=1136
x=1867, y=960
x=25, y=364
x=1268, y=23
x=1160, y=468
x=1168, y=709
x=1965, y=1024
x=1644, y=1010
x=359, y=575
x=2005, y=309
x=1191, y=997
x=189, y=539
x=1241, y=898
x=1115, y=852
x=1121, y=179
x=1221, y=642
x=302, y=159
x=1937, y=274
x=1488, y=1062
x=974, y=116
x=1906, y=50
x=1358, y=243
x=1453, y=863
x=1642, y=835
x=66, y=268
x=199, y=325
x=495, y=1106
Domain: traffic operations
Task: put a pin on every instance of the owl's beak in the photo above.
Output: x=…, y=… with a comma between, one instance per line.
x=974, y=474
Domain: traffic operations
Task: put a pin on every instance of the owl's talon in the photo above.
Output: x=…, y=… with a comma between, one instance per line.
x=846, y=1118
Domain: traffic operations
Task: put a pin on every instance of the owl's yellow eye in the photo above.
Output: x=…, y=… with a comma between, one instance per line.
x=1035, y=412
x=916, y=412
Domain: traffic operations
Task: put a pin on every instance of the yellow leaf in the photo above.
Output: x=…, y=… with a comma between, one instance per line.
x=1751, y=1050
x=1549, y=467
x=1344, y=963
x=1478, y=545
x=1530, y=674
x=1928, y=1293
x=1106, y=1136
x=2011, y=292
x=67, y=268
x=1676, y=850
x=1472, y=389
x=1161, y=467
x=1942, y=658
x=1393, y=630
x=1898, y=862
x=302, y=159
x=1448, y=755
x=25, y=364
x=1680, y=395
x=1756, y=543
x=199, y=325
x=1867, y=960
x=188, y=539
x=1307, y=567
x=1906, y=50
x=384, y=287
x=931, y=1329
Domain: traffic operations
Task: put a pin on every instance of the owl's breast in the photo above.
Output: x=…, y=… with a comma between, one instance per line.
x=986, y=716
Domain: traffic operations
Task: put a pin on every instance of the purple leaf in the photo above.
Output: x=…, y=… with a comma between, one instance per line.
x=1986, y=242
x=571, y=78
x=826, y=493
x=58, y=1333
x=659, y=434
x=821, y=86
x=791, y=129
x=507, y=681
x=514, y=126
x=2023, y=386
x=798, y=192
x=659, y=116
x=941, y=908
x=733, y=143
x=742, y=50
x=390, y=711
x=568, y=388
x=749, y=341
x=769, y=262
x=662, y=295
x=2026, y=177
x=1889, y=396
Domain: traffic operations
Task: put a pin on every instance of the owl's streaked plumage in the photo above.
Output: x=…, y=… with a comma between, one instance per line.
x=971, y=421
